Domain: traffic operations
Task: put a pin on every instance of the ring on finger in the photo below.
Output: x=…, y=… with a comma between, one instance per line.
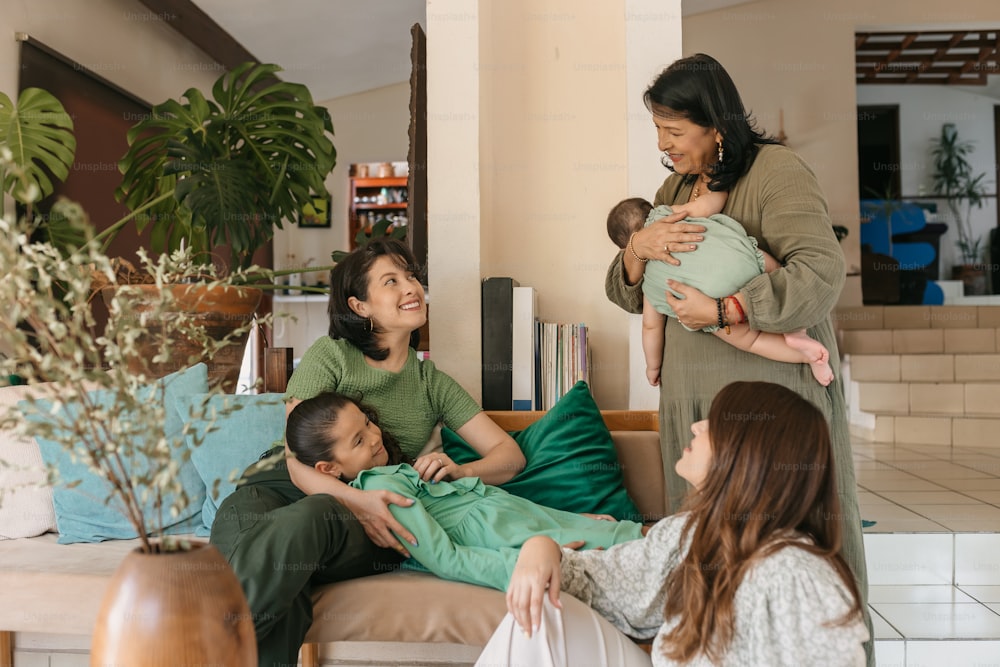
x=665, y=249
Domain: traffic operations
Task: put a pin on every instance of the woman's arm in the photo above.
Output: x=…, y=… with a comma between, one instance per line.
x=625, y=583
x=796, y=229
x=501, y=457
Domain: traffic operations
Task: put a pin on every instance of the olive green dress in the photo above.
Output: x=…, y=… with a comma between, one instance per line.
x=778, y=202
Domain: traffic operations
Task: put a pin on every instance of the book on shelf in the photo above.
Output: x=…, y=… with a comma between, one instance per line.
x=564, y=358
x=527, y=364
x=525, y=305
x=497, y=346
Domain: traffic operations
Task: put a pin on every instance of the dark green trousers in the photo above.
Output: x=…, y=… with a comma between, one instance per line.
x=282, y=544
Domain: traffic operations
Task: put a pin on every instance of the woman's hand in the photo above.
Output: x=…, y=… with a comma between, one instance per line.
x=537, y=569
x=372, y=510
x=437, y=466
x=667, y=236
x=695, y=310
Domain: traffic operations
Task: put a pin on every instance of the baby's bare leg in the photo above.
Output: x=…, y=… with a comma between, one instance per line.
x=793, y=348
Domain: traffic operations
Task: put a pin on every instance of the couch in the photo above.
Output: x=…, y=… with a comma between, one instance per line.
x=51, y=592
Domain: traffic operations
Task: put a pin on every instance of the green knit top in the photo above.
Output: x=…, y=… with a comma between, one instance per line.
x=410, y=403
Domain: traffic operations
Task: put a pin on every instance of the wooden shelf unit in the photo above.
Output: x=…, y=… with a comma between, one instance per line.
x=363, y=213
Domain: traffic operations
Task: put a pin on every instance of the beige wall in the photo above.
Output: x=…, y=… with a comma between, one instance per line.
x=121, y=40
x=547, y=142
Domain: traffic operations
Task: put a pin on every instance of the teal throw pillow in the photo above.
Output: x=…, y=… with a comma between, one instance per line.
x=226, y=434
x=85, y=510
x=571, y=460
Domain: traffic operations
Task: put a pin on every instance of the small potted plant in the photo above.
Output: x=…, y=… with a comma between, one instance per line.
x=955, y=182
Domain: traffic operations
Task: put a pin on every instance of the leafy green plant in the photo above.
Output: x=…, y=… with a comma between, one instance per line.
x=49, y=335
x=231, y=169
x=954, y=181
x=37, y=137
x=382, y=228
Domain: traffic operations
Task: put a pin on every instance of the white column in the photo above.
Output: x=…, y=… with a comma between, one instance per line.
x=652, y=41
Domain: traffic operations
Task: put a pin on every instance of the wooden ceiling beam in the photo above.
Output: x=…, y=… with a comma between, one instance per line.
x=201, y=30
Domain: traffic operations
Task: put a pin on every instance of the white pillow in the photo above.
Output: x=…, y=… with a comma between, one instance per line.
x=26, y=508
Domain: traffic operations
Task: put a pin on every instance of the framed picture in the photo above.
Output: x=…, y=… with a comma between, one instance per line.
x=316, y=214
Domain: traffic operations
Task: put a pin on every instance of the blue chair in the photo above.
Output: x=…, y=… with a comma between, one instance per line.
x=884, y=226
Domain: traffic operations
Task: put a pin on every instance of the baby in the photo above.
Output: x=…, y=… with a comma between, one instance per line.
x=723, y=263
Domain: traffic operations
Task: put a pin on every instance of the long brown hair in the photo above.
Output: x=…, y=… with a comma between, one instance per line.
x=771, y=482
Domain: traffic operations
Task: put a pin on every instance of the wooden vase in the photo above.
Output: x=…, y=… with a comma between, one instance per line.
x=174, y=609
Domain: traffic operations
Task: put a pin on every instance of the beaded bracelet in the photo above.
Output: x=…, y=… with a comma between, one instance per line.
x=723, y=323
x=632, y=250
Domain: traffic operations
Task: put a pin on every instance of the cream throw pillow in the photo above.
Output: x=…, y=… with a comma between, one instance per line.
x=25, y=499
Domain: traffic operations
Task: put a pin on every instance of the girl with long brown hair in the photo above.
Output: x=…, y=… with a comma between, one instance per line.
x=748, y=573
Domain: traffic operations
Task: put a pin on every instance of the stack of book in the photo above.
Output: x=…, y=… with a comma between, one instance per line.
x=527, y=364
x=563, y=359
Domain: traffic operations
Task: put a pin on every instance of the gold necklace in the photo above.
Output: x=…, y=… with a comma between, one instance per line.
x=697, y=191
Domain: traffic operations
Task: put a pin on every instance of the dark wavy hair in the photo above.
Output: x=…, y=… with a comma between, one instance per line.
x=350, y=278
x=771, y=480
x=308, y=429
x=699, y=89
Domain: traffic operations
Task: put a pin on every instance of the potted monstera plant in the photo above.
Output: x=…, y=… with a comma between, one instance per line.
x=204, y=173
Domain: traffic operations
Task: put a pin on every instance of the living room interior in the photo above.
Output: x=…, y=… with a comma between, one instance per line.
x=527, y=146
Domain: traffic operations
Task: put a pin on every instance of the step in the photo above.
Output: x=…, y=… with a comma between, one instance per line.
x=984, y=340
x=930, y=399
x=918, y=317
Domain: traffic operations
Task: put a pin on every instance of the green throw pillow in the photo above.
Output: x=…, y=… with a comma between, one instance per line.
x=572, y=464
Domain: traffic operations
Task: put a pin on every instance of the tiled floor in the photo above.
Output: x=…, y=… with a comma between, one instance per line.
x=933, y=552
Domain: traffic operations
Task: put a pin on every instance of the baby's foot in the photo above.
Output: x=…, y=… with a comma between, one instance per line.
x=816, y=354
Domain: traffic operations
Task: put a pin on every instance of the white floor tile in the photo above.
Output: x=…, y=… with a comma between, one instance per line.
x=977, y=559
x=881, y=627
x=987, y=484
x=991, y=497
x=917, y=558
x=910, y=483
x=910, y=498
x=941, y=621
x=918, y=594
x=983, y=593
x=952, y=653
x=890, y=653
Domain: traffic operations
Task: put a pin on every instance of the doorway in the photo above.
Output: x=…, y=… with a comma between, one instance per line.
x=878, y=152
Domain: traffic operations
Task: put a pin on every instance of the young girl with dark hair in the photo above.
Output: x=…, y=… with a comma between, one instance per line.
x=465, y=530
x=748, y=573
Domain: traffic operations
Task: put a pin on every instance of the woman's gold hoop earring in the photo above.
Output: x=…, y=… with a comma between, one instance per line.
x=720, y=151
x=371, y=325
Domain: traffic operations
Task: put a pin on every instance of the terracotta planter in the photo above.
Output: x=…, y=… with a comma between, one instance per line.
x=973, y=277
x=176, y=609
x=220, y=311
